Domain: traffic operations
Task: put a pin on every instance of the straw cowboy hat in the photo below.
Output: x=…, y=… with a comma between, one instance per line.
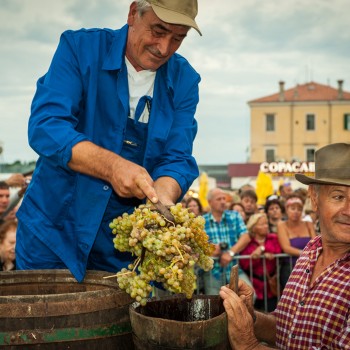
x=332, y=166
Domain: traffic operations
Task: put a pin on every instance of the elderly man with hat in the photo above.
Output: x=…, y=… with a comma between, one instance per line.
x=314, y=310
x=113, y=124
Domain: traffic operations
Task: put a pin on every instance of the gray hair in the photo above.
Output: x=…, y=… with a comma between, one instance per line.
x=142, y=6
x=212, y=191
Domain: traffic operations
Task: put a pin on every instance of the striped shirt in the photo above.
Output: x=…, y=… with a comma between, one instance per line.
x=228, y=230
x=316, y=316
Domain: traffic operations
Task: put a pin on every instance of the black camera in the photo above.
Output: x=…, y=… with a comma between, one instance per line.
x=223, y=246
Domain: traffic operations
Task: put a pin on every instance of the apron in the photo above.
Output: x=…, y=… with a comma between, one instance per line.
x=103, y=255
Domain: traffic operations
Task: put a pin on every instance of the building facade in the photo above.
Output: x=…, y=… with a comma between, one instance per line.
x=289, y=126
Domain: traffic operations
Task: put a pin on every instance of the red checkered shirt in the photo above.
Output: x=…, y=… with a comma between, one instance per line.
x=316, y=316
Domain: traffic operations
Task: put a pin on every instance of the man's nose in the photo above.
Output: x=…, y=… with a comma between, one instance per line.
x=164, y=46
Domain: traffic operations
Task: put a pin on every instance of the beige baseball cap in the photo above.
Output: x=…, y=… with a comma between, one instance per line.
x=181, y=12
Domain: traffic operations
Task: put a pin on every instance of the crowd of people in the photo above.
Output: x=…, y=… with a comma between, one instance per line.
x=11, y=193
x=239, y=227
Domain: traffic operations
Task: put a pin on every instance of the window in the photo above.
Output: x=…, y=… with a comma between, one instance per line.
x=310, y=122
x=310, y=154
x=270, y=122
x=270, y=155
x=346, y=121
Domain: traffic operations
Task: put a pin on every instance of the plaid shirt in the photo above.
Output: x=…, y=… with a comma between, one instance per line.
x=317, y=316
x=228, y=230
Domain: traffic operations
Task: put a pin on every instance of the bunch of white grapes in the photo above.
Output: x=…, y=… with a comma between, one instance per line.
x=164, y=251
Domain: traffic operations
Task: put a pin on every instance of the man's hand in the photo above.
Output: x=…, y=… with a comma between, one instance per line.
x=131, y=180
x=225, y=259
x=240, y=321
x=16, y=180
x=246, y=293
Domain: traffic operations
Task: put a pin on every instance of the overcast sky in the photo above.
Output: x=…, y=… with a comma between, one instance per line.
x=247, y=47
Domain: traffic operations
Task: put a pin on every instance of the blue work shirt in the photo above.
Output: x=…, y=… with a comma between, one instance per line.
x=84, y=96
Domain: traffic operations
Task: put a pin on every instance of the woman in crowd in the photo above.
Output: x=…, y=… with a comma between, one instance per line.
x=265, y=244
x=293, y=234
x=194, y=205
x=274, y=212
x=239, y=207
x=7, y=245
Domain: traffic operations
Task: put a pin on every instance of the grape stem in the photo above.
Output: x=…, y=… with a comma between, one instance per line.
x=182, y=258
x=138, y=260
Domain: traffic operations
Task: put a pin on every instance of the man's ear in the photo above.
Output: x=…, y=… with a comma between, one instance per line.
x=132, y=13
x=313, y=197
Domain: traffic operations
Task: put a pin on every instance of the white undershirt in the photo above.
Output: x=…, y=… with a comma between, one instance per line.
x=140, y=84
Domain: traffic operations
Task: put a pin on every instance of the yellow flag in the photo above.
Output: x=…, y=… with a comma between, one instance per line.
x=203, y=190
x=264, y=187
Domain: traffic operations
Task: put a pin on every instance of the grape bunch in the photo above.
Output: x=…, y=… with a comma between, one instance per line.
x=164, y=252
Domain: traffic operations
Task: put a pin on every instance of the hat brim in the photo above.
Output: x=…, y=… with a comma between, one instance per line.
x=173, y=17
x=308, y=180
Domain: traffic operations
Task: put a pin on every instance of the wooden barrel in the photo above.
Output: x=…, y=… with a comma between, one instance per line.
x=49, y=309
x=178, y=323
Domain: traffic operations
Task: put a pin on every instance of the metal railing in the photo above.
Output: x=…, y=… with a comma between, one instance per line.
x=278, y=258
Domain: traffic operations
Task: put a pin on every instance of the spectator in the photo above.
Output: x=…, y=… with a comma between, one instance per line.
x=239, y=207
x=264, y=244
x=293, y=235
x=228, y=232
x=273, y=210
x=4, y=199
x=98, y=155
x=285, y=190
x=13, y=201
x=314, y=311
x=194, y=205
x=7, y=245
x=249, y=201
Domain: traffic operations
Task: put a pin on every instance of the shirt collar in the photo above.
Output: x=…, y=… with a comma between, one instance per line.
x=316, y=247
x=115, y=56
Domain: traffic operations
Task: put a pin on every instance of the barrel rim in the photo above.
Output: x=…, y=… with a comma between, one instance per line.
x=134, y=314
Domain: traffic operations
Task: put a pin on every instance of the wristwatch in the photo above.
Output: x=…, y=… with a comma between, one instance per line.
x=232, y=254
x=262, y=249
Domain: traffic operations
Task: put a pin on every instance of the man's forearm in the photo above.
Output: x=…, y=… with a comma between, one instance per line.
x=242, y=242
x=90, y=159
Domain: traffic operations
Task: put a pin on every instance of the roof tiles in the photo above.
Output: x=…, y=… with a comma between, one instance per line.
x=306, y=92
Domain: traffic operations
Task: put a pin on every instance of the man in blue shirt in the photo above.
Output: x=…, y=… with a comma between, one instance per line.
x=226, y=229
x=113, y=123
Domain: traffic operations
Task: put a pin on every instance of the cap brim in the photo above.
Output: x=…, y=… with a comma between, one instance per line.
x=174, y=17
x=306, y=180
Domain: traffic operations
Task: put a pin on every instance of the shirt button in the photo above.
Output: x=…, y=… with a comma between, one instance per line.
x=292, y=336
x=105, y=187
x=301, y=303
x=307, y=271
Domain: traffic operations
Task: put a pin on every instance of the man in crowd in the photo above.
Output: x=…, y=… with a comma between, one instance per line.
x=4, y=198
x=249, y=201
x=113, y=123
x=314, y=311
x=228, y=232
